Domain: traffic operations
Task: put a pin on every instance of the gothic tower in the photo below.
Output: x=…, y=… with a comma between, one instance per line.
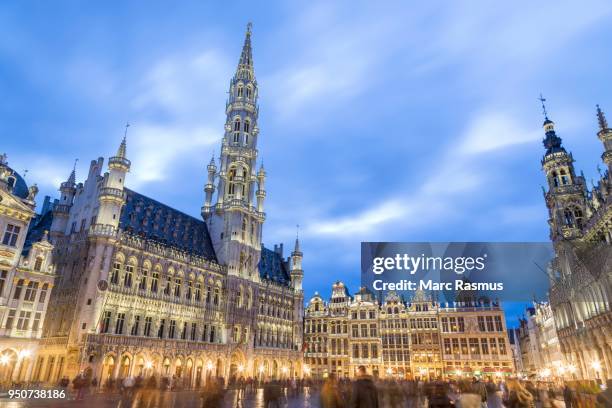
x=566, y=195
x=235, y=221
x=605, y=135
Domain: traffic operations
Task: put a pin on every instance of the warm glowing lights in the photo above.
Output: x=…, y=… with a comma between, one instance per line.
x=148, y=365
x=24, y=353
x=240, y=368
x=459, y=373
x=498, y=374
x=596, y=365
x=306, y=370
x=209, y=366
x=4, y=359
x=389, y=371
x=546, y=372
x=285, y=370
x=261, y=368
x=423, y=371
x=571, y=368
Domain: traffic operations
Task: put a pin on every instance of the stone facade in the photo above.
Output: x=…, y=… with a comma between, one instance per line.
x=393, y=338
x=541, y=351
x=26, y=276
x=580, y=220
x=146, y=290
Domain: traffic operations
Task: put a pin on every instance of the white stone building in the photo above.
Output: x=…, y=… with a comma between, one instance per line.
x=146, y=290
x=26, y=275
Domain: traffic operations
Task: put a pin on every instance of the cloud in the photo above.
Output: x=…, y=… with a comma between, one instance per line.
x=494, y=131
x=155, y=149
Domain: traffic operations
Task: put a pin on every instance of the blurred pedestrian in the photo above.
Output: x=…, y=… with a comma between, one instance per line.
x=518, y=396
x=364, y=394
x=330, y=393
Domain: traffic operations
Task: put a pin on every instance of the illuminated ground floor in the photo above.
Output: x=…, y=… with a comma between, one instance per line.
x=16, y=359
x=108, y=358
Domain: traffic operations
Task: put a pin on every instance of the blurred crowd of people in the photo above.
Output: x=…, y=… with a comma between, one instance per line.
x=364, y=391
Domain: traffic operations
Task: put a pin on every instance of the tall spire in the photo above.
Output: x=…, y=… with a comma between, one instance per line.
x=72, y=177
x=601, y=118
x=121, y=152
x=245, y=65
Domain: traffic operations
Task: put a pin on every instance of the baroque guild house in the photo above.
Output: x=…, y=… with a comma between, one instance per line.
x=26, y=275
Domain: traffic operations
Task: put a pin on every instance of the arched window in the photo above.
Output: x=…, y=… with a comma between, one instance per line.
x=115, y=273
x=555, y=180
x=231, y=186
x=564, y=178
x=244, y=227
x=249, y=92
x=240, y=91
x=247, y=125
x=127, y=278
x=236, y=130
x=573, y=217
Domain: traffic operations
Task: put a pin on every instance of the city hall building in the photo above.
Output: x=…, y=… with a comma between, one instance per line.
x=421, y=338
x=143, y=289
x=580, y=220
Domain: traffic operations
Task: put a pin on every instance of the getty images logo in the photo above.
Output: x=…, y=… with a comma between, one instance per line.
x=413, y=264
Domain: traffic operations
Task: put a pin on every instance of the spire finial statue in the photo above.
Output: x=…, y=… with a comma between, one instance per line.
x=601, y=118
x=127, y=125
x=544, y=112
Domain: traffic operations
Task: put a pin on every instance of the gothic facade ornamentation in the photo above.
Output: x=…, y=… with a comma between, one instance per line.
x=580, y=220
x=146, y=290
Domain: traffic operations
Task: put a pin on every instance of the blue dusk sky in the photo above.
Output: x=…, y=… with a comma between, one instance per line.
x=416, y=121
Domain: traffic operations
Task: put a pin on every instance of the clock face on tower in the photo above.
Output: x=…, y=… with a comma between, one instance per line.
x=102, y=285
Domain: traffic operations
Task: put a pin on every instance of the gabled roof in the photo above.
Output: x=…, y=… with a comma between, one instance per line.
x=272, y=267
x=155, y=221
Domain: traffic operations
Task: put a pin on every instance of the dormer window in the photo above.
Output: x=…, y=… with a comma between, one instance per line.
x=38, y=264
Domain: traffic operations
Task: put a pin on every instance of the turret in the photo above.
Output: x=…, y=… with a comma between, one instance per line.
x=605, y=135
x=209, y=188
x=61, y=210
x=261, y=189
x=112, y=196
x=297, y=274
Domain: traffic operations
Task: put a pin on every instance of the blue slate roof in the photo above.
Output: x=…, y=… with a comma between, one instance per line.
x=20, y=188
x=155, y=221
x=38, y=226
x=272, y=267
